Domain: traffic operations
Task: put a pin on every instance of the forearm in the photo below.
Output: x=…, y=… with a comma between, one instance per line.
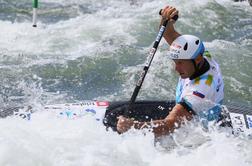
x=165, y=126
x=159, y=127
x=170, y=33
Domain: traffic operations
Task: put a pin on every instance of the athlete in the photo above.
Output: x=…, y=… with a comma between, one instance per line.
x=200, y=86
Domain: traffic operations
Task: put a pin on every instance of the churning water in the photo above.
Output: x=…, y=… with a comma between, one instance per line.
x=93, y=49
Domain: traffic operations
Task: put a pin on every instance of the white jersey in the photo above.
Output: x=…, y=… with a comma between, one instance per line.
x=204, y=93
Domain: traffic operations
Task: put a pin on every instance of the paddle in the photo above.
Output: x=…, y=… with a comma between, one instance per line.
x=149, y=60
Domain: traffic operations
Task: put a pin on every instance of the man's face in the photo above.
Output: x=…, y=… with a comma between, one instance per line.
x=185, y=68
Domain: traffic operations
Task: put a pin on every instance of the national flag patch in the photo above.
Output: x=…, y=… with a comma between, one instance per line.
x=196, y=93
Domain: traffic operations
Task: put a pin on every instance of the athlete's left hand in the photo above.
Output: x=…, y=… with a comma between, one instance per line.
x=124, y=124
x=169, y=12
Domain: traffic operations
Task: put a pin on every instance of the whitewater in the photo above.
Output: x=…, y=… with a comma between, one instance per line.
x=93, y=50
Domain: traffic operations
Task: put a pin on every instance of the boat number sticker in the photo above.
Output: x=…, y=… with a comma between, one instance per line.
x=249, y=120
x=238, y=122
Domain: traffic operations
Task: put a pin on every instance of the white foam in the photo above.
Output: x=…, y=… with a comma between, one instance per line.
x=49, y=140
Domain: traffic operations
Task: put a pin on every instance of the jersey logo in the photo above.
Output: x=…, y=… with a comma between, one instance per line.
x=197, y=81
x=196, y=93
x=209, y=80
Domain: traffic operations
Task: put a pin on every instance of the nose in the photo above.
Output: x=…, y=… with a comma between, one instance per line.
x=176, y=66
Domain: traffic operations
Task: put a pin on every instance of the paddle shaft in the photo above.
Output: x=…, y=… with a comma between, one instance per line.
x=149, y=60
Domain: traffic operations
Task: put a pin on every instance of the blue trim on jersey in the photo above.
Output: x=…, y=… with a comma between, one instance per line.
x=213, y=113
x=178, y=92
x=187, y=102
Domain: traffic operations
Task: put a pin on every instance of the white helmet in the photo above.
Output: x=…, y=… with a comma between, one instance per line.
x=186, y=47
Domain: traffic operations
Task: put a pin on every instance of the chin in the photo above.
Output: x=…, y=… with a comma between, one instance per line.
x=183, y=76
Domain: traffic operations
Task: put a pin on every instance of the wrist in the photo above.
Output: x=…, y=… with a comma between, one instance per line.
x=140, y=125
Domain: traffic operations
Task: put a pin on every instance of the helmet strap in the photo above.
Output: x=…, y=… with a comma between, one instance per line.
x=200, y=68
x=196, y=69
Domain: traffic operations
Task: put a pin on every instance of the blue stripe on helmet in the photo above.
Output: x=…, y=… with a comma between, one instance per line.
x=200, y=50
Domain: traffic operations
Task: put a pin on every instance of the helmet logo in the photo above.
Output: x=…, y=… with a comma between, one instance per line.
x=174, y=53
x=176, y=45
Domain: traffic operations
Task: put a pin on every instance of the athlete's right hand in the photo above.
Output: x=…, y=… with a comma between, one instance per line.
x=124, y=124
x=168, y=12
